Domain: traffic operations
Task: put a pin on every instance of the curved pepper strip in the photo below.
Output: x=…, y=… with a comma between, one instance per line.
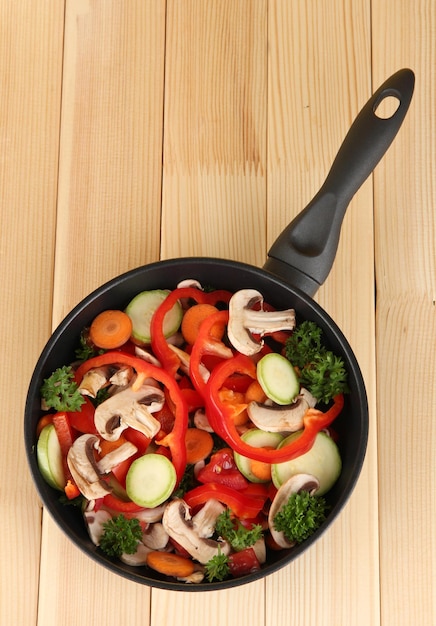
x=221, y=421
x=175, y=440
x=244, y=506
x=204, y=345
x=169, y=360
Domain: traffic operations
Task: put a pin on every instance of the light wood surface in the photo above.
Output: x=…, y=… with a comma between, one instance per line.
x=139, y=130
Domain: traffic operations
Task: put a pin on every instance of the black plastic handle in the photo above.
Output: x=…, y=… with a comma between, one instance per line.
x=304, y=252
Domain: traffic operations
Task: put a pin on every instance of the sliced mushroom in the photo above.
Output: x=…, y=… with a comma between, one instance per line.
x=147, y=356
x=117, y=456
x=196, y=577
x=130, y=407
x=179, y=526
x=95, y=521
x=260, y=550
x=295, y=484
x=122, y=376
x=190, y=282
x=244, y=321
x=205, y=520
x=137, y=558
x=155, y=537
x=94, y=380
x=83, y=467
x=281, y=418
x=201, y=422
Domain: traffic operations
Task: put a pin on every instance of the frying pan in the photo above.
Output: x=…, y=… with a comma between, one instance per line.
x=297, y=264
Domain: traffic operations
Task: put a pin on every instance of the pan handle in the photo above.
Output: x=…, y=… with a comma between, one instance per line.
x=304, y=252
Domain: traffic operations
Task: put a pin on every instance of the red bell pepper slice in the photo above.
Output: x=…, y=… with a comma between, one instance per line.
x=241, y=504
x=168, y=359
x=83, y=419
x=116, y=504
x=176, y=438
x=220, y=417
x=66, y=438
x=204, y=345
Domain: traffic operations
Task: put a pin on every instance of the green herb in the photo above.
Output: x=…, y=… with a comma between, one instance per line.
x=120, y=536
x=217, y=568
x=60, y=392
x=301, y=516
x=321, y=372
x=86, y=350
x=79, y=501
x=187, y=482
x=238, y=536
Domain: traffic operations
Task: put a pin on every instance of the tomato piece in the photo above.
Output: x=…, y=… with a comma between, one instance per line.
x=243, y=562
x=238, y=382
x=222, y=470
x=166, y=418
x=138, y=439
x=83, y=420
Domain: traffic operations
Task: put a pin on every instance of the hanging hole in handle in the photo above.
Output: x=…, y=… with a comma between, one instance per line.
x=387, y=106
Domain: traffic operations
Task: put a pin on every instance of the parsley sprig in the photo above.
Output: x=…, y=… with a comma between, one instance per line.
x=238, y=536
x=120, y=536
x=60, y=392
x=217, y=568
x=321, y=371
x=301, y=516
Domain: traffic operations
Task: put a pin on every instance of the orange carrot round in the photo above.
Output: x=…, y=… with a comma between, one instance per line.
x=110, y=329
x=261, y=470
x=170, y=564
x=192, y=320
x=199, y=444
x=255, y=393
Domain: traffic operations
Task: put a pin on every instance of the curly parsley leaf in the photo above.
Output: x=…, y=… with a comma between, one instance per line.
x=217, y=568
x=301, y=516
x=120, y=536
x=238, y=536
x=321, y=372
x=60, y=392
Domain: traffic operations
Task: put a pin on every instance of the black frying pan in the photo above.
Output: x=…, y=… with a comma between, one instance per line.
x=298, y=263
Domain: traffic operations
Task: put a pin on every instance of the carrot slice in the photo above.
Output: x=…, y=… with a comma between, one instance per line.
x=110, y=329
x=192, y=320
x=170, y=564
x=255, y=393
x=260, y=469
x=199, y=444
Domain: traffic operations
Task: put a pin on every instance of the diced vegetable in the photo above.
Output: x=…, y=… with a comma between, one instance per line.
x=49, y=455
x=322, y=461
x=258, y=439
x=278, y=378
x=150, y=480
x=211, y=459
x=141, y=310
x=110, y=329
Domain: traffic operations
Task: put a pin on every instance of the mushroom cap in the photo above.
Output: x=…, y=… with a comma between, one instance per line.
x=244, y=321
x=84, y=469
x=179, y=526
x=129, y=407
x=295, y=484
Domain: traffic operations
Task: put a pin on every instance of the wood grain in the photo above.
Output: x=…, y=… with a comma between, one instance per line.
x=405, y=236
x=30, y=79
x=152, y=129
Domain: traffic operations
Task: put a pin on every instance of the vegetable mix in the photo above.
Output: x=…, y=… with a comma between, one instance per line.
x=195, y=430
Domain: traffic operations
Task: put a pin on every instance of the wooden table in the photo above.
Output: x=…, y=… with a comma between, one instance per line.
x=147, y=129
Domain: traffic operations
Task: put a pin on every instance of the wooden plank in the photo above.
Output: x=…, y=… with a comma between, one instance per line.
x=214, y=173
x=319, y=78
x=215, y=130
x=405, y=200
x=108, y=222
x=111, y=144
x=30, y=78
